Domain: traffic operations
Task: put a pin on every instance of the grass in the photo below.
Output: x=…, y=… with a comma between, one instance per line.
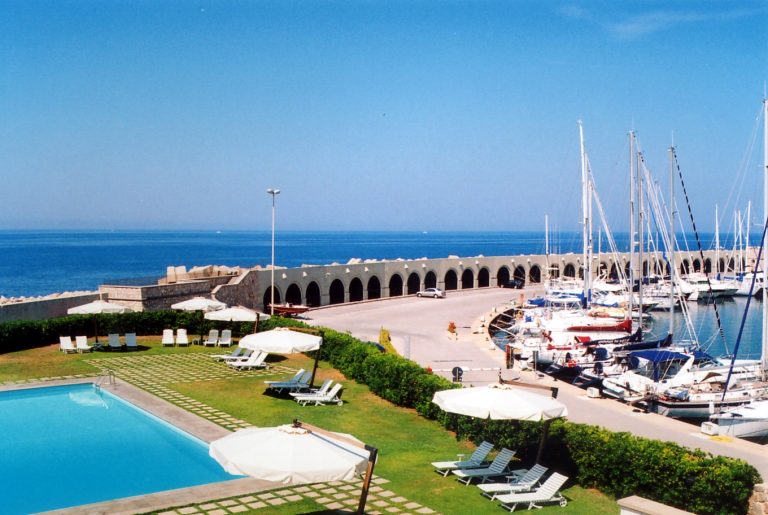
x=407, y=443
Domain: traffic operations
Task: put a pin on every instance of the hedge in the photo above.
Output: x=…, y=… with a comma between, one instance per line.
x=618, y=464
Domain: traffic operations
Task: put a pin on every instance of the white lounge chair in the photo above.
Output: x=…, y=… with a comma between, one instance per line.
x=168, y=337
x=255, y=360
x=66, y=345
x=237, y=353
x=130, y=341
x=497, y=467
x=549, y=491
x=226, y=338
x=297, y=383
x=81, y=344
x=524, y=483
x=181, y=337
x=317, y=399
x=476, y=460
x=114, y=342
x=213, y=338
x=323, y=390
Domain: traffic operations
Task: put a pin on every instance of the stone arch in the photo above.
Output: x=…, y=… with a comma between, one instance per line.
x=467, y=279
x=627, y=269
x=602, y=270
x=355, y=290
x=414, y=283
x=502, y=276
x=483, y=278
x=451, y=280
x=731, y=265
x=268, y=297
x=696, y=265
x=374, y=288
x=519, y=273
x=336, y=292
x=395, y=285
x=708, y=266
x=293, y=294
x=534, y=275
x=430, y=280
x=658, y=267
x=685, y=267
x=554, y=271
x=569, y=271
x=722, y=264
x=313, y=294
x=645, y=268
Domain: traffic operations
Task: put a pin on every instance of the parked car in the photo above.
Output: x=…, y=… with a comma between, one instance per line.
x=431, y=292
x=514, y=283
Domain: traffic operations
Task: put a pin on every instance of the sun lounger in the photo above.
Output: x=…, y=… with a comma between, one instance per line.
x=296, y=378
x=477, y=460
x=226, y=338
x=255, y=360
x=292, y=385
x=323, y=390
x=82, y=344
x=130, y=341
x=66, y=345
x=114, y=342
x=497, y=468
x=181, y=337
x=168, y=337
x=237, y=353
x=549, y=491
x=333, y=396
x=213, y=338
x=524, y=483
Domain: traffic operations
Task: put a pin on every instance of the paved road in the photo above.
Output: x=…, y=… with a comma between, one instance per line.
x=419, y=329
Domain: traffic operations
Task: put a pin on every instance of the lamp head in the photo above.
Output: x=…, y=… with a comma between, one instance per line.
x=273, y=191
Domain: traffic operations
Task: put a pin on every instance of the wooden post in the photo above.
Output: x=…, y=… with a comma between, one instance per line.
x=314, y=369
x=543, y=440
x=368, y=475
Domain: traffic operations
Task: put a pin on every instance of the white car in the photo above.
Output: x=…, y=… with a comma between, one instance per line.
x=431, y=292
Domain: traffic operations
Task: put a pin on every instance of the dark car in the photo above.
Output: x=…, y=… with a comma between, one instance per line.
x=514, y=283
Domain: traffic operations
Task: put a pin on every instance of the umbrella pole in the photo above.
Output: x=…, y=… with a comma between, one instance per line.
x=256, y=323
x=368, y=475
x=202, y=317
x=96, y=327
x=314, y=370
x=543, y=440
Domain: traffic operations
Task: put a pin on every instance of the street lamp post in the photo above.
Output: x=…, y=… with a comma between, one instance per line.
x=274, y=193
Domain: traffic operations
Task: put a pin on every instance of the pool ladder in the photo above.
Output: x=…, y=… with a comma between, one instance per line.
x=108, y=375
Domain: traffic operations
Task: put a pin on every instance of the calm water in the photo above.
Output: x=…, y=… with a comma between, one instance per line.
x=90, y=446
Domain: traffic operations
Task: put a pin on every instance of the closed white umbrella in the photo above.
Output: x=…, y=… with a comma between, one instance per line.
x=295, y=454
x=503, y=402
x=500, y=402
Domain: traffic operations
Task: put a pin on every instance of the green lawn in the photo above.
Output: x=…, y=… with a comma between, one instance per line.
x=407, y=443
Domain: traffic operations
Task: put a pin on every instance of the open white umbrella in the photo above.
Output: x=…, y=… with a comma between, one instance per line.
x=98, y=307
x=200, y=304
x=503, y=402
x=236, y=314
x=284, y=341
x=296, y=454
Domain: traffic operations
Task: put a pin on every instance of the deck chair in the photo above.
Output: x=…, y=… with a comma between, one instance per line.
x=524, y=483
x=333, y=396
x=213, y=338
x=297, y=383
x=114, y=342
x=168, y=337
x=81, y=344
x=477, y=460
x=181, y=337
x=237, y=353
x=549, y=491
x=497, y=468
x=130, y=341
x=66, y=345
x=226, y=338
x=324, y=388
x=255, y=360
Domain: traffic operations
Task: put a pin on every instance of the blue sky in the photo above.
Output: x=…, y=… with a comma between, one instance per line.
x=396, y=115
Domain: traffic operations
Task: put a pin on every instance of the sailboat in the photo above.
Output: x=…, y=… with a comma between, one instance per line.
x=750, y=420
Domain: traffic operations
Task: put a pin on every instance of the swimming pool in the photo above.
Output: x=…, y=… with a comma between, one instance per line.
x=64, y=446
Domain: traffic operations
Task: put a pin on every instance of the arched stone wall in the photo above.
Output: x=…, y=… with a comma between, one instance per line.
x=313, y=294
x=293, y=294
x=374, y=288
x=569, y=271
x=483, y=278
x=268, y=298
x=451, y=280
x=355, y=290
x=467, y=279
x=336, y=292
x=430, y=280
x=395, y=286
x=534, y=275
x=502, y=276
x=414, y=283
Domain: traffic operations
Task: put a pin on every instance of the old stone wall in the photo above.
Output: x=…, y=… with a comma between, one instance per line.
x=41, y=309
x=758, y=503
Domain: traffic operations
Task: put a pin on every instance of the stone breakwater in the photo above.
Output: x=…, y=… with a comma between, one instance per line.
x=16, y=300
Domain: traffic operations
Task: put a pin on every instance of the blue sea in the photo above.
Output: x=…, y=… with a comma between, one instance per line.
x=41, y=262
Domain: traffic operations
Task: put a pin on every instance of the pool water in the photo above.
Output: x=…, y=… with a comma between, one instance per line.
x=65, y=446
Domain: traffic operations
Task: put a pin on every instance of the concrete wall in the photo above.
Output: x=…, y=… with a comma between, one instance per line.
x=157, y=297
x=40, y=309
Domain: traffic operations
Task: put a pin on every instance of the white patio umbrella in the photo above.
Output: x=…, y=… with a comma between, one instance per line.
x=284, y=341
x=201, y=304
x=503, y=402
x=295, y=454
x=238, y=314
x=98, y=307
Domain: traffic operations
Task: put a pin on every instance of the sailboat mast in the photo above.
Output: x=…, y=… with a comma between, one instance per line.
x=764, y=355
x=631, y=277
x=640, y=235
x=672, y=264
x=585, y=201
x=546, y=248
x=717, y=244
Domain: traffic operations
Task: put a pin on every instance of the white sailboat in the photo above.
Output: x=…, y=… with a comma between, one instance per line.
x=750, y=420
